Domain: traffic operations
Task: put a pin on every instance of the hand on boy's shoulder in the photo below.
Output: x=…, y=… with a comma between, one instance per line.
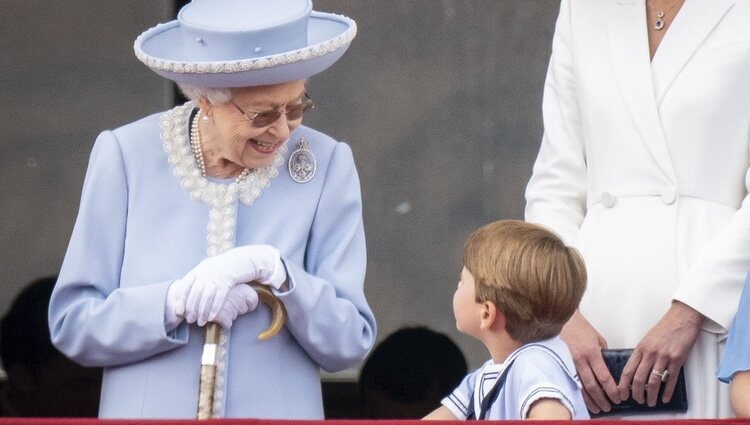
x=548, y=408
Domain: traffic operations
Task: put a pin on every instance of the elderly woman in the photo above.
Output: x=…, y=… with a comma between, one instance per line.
x=182, y=208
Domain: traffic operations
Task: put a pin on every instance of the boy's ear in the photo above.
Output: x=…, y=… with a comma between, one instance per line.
x=492, y=318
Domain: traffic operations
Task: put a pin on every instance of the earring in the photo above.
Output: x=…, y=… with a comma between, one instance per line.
x=205, y=118
x=302, y=163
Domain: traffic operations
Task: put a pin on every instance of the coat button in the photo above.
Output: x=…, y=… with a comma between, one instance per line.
x=668, y=196
x=608, y=200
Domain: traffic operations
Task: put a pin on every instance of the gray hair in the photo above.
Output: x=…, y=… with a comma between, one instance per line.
x=216, y=96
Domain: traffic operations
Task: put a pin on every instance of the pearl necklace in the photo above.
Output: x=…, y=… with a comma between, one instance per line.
x=175, y=133
x=197, y=148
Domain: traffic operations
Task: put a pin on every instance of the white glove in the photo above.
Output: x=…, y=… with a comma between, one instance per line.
x=240, y=300
x=174, y=313
x=201, y=293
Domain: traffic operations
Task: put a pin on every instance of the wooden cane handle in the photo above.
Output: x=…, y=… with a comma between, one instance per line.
x=278, y=314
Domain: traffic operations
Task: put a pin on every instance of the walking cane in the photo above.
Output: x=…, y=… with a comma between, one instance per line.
x=211, y=344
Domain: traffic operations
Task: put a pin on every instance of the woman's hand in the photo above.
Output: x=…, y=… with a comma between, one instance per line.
x=240, y=300
x=664, y=347
x=585, y=344
x=199, y=296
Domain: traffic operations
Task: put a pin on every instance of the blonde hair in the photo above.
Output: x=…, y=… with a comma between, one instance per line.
x=529, y=274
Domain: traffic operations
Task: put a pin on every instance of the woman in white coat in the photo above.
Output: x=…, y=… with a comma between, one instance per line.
x=644, y=167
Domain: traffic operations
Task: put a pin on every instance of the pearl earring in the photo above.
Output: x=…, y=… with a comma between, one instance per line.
x=205, y=118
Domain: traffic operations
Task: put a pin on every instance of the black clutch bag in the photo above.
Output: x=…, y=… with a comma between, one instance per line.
x=615, y=360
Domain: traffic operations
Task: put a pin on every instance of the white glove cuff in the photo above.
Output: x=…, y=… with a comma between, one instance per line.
x=174, y=305
x=171, y=320
x=278, y=274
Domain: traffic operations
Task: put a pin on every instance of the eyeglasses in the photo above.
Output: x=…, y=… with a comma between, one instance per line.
x=266, y=118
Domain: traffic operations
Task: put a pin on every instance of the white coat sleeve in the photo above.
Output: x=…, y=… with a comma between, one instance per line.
x=327, y=311
x=719, y=273
x=556, y=192
x=92, y=320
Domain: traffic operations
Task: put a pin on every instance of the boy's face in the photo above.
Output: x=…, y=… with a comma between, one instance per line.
x=465, y=307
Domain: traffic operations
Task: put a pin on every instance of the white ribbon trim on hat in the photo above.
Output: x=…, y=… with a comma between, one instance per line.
x=230, y=67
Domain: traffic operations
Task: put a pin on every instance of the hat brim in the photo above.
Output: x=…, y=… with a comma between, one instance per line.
x=329, y=35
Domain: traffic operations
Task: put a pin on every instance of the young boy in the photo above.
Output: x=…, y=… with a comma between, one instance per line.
x=518, y=287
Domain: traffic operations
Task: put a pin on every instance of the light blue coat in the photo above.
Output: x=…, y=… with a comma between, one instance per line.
x=737, y=350
x=138, y=230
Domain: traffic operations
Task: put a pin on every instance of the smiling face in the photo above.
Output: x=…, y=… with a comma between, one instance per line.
x=231, y=142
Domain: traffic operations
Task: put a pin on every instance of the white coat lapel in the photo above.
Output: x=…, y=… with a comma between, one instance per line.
x=694, y=22
x=632, y=64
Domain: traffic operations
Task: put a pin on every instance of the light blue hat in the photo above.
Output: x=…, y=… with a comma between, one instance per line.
x=241, y=43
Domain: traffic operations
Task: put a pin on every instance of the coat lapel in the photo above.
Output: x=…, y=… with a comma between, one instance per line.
x=691, y=27
x=628, y=39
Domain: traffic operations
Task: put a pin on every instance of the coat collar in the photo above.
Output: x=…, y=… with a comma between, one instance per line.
x=644, y=84
x=628, y=39
x=691, y=27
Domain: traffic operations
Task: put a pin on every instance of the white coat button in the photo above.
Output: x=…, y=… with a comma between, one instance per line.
x=608, y=200
x=668, y=196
